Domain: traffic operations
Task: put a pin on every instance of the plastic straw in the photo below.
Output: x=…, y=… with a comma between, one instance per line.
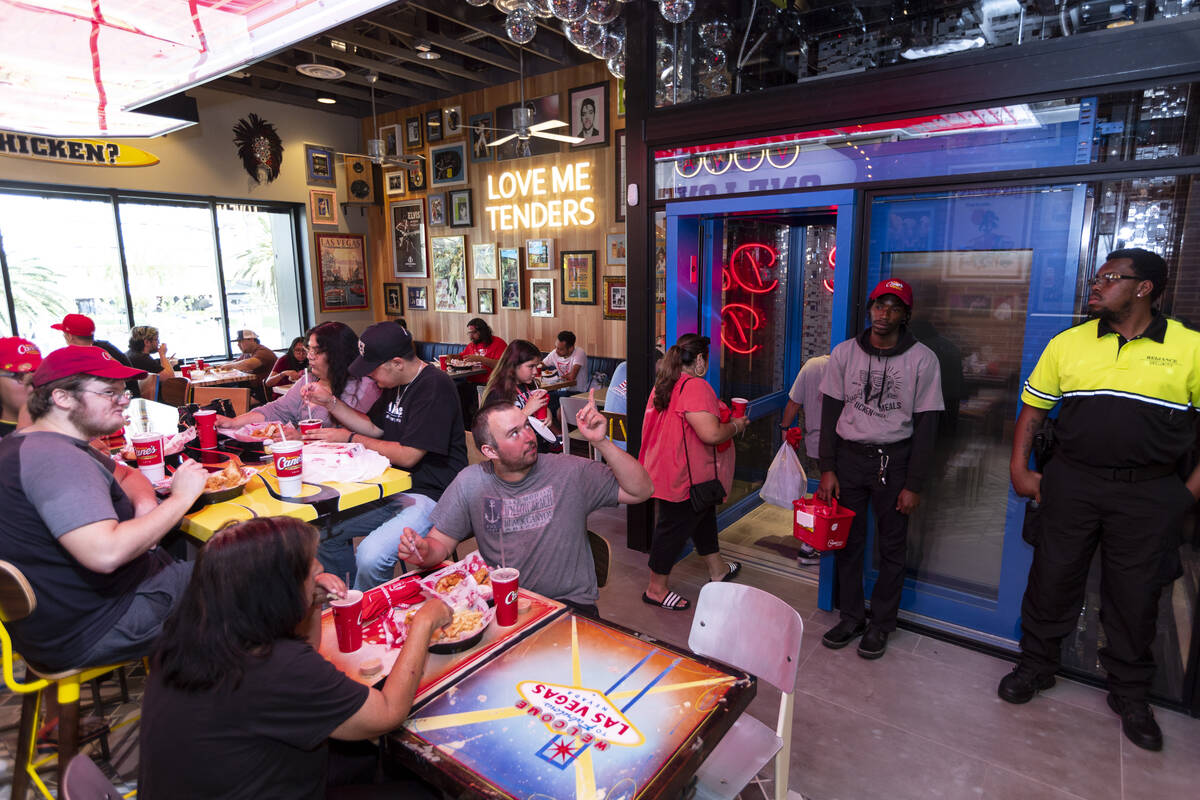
x=307, y=405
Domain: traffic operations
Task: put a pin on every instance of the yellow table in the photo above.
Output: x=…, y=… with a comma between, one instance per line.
x=262, y=499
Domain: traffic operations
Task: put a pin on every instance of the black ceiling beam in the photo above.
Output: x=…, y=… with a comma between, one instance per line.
x=457, y=14
x=381, y=67
x=396, y=54
x=250, y=90
x=296, y=79
x=450, y=44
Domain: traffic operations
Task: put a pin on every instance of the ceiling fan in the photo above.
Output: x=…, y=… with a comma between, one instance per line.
x=522, y=130
x=376, y=150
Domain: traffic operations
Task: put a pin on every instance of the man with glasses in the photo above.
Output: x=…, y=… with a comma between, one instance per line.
x=83, y=529
x=1127, y=383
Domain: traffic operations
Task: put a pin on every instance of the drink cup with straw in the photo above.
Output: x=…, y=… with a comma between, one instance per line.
x=307, y=405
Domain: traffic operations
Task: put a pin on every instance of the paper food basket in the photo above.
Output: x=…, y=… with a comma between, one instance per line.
x=821, y=525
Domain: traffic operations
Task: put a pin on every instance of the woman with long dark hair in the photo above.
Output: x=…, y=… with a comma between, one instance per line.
x=512, y=381
x=239, y=703
x=332, y=346
x=680, y=436
x=291, y=365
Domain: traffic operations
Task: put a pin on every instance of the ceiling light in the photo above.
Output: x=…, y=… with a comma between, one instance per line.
x=425, y=50
x=326, y=100
x=325, y=72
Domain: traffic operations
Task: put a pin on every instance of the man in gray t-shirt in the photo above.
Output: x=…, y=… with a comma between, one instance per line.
x=529, y=511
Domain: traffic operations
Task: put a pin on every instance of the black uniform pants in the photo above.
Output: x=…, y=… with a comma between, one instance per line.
x=1133, y=524
x=858, y=472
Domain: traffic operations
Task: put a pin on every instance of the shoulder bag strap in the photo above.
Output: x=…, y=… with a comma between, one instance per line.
x=687, y=460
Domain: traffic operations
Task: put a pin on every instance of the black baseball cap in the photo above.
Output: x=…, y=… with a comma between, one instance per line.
x=381, y=342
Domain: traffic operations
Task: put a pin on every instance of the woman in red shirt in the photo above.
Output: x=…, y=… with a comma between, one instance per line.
x=680, y=434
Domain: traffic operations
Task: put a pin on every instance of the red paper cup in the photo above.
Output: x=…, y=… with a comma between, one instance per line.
x=186, y=370
x=739, y=406
x=347, y=620
x=542, y=413
x=289, y=466
x=148, y=448
x=504, y=592
x=200, y=364
x=206, y=428
x=307, y=425
x=442, y=362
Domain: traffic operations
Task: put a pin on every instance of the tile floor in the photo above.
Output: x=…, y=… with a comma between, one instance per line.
x=922, y=722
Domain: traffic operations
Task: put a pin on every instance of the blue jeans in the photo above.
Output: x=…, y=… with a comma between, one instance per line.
x=382, y=526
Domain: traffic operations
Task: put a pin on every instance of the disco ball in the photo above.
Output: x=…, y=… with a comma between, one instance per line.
x=520, y=26
x=541, y=8
x=716, y=32
x=583, y=34
x=603, y=12
x=478, y=3
x=607, y=47
x=616, y=65
x=676, y=10
x=569, y=10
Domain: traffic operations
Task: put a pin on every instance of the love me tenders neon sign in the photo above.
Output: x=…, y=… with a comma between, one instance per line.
x=520, y=194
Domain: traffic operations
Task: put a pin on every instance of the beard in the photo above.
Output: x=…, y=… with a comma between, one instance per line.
x=90, y=428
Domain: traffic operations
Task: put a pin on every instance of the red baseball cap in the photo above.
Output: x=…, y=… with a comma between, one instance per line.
x=893, y=286
x=19, y=355
x=80, y=360
x=76, y=325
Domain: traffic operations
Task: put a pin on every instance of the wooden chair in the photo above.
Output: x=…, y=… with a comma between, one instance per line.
x=83, y=780
x=601, y=556
x=238, y=396
x=174, y=391
x=17, y=601
x=148, y=386
x=474, y=456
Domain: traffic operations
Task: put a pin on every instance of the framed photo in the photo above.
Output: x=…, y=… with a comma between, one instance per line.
x=485, y=301
x=341, y=271
x=318, y=164
x=437, y=208
x=589, y=115
x=510, y=277
x=539, y=253
x=433, y=125
x=452, y=120
x=393, y=299
x=541, y=297
x=390, y=134
x=417, y=299
x=413, y=138
x=460, y=208
x=416, y=177
x=449, y=273
x=408, y=240
x=621, y=182
x=448, y=165
x=483, y=262
x=578, y=273
x=395, y=183
x=322, y=207
x=481, y=133
x=613, y=287
x=360, y=180
x=544, y=108
x=614, y=251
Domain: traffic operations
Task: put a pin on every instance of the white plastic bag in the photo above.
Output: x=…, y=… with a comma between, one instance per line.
x=785, y=481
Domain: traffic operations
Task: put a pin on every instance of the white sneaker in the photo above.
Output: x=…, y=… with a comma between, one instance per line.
x=809, y=556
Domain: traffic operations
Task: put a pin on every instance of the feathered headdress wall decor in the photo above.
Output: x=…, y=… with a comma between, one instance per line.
x=259, y=147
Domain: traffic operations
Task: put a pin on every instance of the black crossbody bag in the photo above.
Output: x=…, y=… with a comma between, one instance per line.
x=705, y=495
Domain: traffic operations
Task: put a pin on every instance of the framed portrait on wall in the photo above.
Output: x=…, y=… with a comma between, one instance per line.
x=614, y=250
x=485, y=301
x=510, y=277
x=483, y=262
x=433, y=125
x=541, y=297
x=613, y=289
x=408, y=239
x=452, y=121
x=539, y=253
x=437, y=208
x=318, y=163
x=460, y=208
x=390, y=135
x=413, y=136
x=418, y=300
x=480, y=134
x=543, y=109
x=341, y=271
x=393, y=299
x=395, y=183
x=449, y=273
x=448, y=165
x=322, y=207
x=589, y=115
x=578, y=274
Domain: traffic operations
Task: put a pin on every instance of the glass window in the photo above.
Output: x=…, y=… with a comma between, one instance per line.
x=261, y=281
x=62, y=258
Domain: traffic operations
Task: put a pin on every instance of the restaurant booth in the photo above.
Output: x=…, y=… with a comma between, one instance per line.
x=994, y=182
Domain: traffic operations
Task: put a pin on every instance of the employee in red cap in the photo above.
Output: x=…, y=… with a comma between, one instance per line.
x=882, y=396
x=82, y=528
x=18, y=359
x=80, y=330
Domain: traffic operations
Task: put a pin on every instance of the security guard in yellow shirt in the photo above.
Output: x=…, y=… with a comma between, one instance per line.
x=1128, y=382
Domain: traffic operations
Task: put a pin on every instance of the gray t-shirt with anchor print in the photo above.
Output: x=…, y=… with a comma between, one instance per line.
x=541, y=521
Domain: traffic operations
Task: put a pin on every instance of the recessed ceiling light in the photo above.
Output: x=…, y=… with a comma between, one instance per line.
x=323, y=72
x=326, y=100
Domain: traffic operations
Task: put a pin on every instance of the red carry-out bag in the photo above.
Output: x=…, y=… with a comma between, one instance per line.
x=822, y=525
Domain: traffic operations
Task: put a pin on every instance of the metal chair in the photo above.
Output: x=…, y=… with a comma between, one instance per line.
x=755, y=631
x=17, y=601
x=568, y=407
x=83, y=780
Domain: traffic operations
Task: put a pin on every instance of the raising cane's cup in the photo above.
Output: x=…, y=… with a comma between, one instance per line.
x=739, y=406
x=504, y=592
x=148, y=449
x=186, y=370
x=200, y=364
x=289, y=464
x=206, y=428
x=307, y=425
x=347, y=620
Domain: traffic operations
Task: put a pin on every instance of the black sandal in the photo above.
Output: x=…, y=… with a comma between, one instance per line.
x=672, y=602
x=734, y=568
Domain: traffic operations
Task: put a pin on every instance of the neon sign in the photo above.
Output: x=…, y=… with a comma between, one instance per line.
x=738, y=321
x=746, y=267
x=828, y=282
x=747, y=270
x=536, y=183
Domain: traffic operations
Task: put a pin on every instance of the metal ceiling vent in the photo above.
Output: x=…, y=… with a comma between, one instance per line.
x=323, y=72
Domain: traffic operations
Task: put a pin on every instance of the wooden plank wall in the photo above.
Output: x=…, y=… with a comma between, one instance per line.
x=595, y=334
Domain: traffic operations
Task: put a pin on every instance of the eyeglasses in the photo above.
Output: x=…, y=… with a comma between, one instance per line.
x=1111, y=277
x=115, y=397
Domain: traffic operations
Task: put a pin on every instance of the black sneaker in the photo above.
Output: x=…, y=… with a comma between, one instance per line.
x=1137, y=722
x=873, y=643
x=1020, y=685
x=808, y=556
x=843, y=634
